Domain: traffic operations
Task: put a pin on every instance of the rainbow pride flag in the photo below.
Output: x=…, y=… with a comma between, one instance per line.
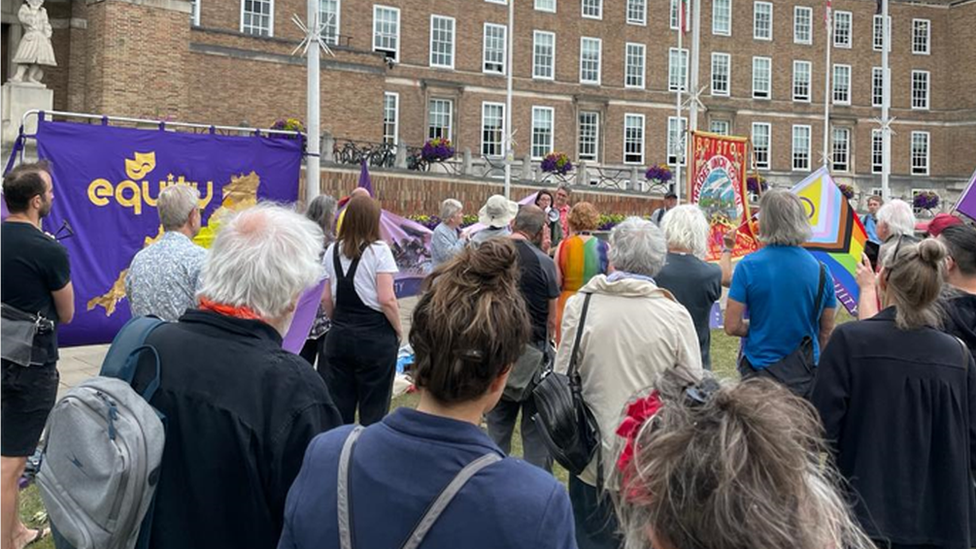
x=838, y=235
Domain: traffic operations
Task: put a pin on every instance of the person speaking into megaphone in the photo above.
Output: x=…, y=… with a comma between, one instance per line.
x=554, y=233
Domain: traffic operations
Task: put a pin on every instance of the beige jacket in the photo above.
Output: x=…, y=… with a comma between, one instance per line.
x=633, y=331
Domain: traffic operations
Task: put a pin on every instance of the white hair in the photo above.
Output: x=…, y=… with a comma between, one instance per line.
x=782, y=219
x=686, y=228
x=637, y=246
x=898, y=216
x=263, y=258
x=450, y=208
x=176, y=203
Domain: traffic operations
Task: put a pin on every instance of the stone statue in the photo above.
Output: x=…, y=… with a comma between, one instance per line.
x=35, y=48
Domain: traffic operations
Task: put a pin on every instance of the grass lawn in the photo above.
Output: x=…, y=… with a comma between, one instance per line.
x=724, y=352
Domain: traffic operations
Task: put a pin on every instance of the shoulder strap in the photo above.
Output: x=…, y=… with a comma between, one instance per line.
x=123, y=355
x=820, y=294
x=574, y=357
x=345, y=530
x=446, y=496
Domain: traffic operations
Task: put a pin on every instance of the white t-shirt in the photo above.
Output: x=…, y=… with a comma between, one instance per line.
x=376, y=259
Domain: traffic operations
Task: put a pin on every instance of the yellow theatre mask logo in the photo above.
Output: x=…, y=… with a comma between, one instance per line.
x=135, y=192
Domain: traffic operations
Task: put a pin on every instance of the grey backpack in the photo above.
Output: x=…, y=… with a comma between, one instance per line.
x=104, y=445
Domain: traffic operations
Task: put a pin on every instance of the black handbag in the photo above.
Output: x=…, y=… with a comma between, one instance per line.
x=796, y=371
x=566, y=424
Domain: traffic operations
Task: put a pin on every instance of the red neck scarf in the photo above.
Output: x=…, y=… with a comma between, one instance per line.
x=229, y=310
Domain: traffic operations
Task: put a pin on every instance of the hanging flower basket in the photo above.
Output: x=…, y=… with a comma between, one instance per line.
x=846, y=190
x=437, y=149
x=756, y=184
x=658, y=173
x=926, y=200
x=557, y=162
x=288, y=125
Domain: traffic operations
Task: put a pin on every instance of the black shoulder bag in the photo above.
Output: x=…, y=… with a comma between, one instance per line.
x=568, y=427
x=796, y=371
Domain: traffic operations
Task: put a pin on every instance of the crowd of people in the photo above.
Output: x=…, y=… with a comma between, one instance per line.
x=860, y=435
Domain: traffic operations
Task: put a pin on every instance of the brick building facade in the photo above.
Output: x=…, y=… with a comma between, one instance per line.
x=406, y=70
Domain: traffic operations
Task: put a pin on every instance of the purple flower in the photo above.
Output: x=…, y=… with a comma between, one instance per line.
x=846, y=190
x=437, y=149
x=756, y=184
x=658, y=172
x=557, y=163
x=926, y=200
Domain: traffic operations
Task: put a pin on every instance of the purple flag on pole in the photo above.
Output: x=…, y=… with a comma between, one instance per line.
x=364, y=179
x=107, y=182
x=301, y=324
x=967, y=201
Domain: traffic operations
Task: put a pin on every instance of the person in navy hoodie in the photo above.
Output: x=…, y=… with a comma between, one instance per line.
x=373, y=487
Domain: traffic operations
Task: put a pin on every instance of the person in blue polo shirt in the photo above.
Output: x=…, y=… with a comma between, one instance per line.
x=372, y=487
x=779, y=285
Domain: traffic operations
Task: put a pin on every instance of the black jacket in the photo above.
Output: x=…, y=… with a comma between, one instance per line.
x=899, y=408
x=240, y=413
x=960, y=308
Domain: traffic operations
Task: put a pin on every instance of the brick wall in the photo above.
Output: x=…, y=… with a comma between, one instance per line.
x=418, y=194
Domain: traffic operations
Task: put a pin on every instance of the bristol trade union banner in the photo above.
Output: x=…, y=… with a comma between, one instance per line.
x=718, y=186
x=106, y=184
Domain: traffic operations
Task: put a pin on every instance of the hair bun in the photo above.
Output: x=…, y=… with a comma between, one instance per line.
x=931, y=251
x=492, y=259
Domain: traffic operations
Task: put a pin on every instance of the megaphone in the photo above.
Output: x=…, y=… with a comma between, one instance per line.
x=553, y=215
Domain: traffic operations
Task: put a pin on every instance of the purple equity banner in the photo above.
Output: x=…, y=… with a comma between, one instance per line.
x=410, y=243
x=967, y=200
x=107, y=181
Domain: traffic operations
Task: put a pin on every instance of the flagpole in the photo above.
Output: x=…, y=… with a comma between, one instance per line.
x=313, y=95
x=826, y=135
x=509, y=153
x=695, y=68
x=885, y=104
x=681, y=83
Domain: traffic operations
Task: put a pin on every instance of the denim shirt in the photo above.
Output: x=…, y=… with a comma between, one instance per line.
x=444, y=244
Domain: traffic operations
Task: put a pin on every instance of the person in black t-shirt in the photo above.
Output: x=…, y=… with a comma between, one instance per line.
x=538, y=286
x=37, y=280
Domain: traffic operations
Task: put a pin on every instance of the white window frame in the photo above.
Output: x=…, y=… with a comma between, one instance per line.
x=591, y=4
x=595, y=156
x=640, y=79
x=643, y=137
x=877, y=151
x=674, y=15
x=922, y=103
x=927, y=23
x=719, y=91
x=843, y=40
x=803, y=156
x=725, y=130
x=630, y=9
x=681, y=134
x=396, y=117
x=450, y=116
x=195, y=12
x=835, y=81
x=270, y=19
x=485, y=51
x=797, y=97
x=599, y=60
x=808, y=11
x=768, y=148
x=835, y=153
x=717, y=16
x=877, y=36
x=544, y=8
x=503, y=2
x=756, y=91
x=453, y=43
x=755, y=21
x=485, y=105
x=333, y=38
x=877, y=86
x=552, y=132
x=682, y=69
x=552, y=56
x=921, y=170
x=377, y=47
